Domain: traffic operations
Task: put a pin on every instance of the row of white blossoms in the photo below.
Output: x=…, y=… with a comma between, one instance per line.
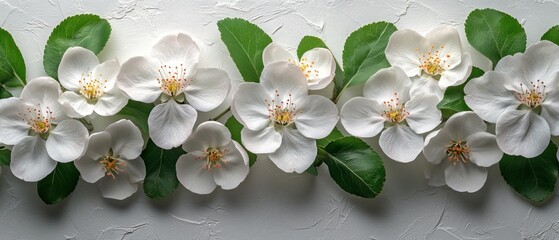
x=399, y=105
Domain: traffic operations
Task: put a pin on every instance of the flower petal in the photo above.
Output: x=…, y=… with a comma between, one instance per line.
x=171, y=123
x=321, y=67
x=389, y=83
x=90, y=169
x=361, y=117
x=250, y=105
x=177, y=49
x=118, y=188
x=208, y=89
x=488, y=97
x=234, y=171
x=138, y=79
x=424, y=115
x=296, y=153
x=446, y=41
x=76, y=62
x=111, y=103
x=465, y=177
x=68, y=141
x=127, y=141
x=457, y=75
x=403, y=49
x=435, y=174
x=550, y=111
x=318, y=117
x=522, y=132
x=30, y=160
x=283, y=80
x=434, y=149
x=99, y=145
x=208, y=134
x=426, y=86
x=75, y=106
x=274, y=52
x=12, y=125
x=44, y=91
x=484, y=150
x=136, y=170
x=463, y=124
x=194, y=176
x=262, y=141
x=107, y=72
x=400, y=143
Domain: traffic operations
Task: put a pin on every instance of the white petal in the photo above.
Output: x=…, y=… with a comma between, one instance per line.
x=324, y=82
x=243, y=152
x=321, y=67
x=550, y=111
x=386, y=83
x=208, y=89
x=99, y=145
x=138, y=79
x=488, y=97
x=446, y=40
x=75, y=106
x=484, y=150
x=107, y=72
x=283, y=79
x=403, y=50
x=458, y=74
x=424, y=115
x=463, y=124
x=127, y=141
x=234, y=171
x=208, y=134
x=522, y=132
x=194, y=176
x=361, y=117
x=276, y=53
x=136, y=170
x=30, y=160
x=12, y=125
x=435, y=146
x=90, y=169
x=76, y=62
x=111, y=103
x=435, y=174
x=118, y=188
x=296, y=153
x=426, y=86
x=171, y=123
x=318, y=117
x=401, y=143
x=250, y=105
x=68, y=141
x=465, y=177
x=176, y=49
x=266, y=140
x=44, y=91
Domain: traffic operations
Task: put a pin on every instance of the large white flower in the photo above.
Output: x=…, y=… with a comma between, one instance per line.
x=318, y=64
x=522, y=98
x=434, y=62
x=171, y=76
x=113, y=157
x=387, y=105
x=460, y=152
x=41, y=133
x=212, y=159
x=280, y=118
x=91, y=86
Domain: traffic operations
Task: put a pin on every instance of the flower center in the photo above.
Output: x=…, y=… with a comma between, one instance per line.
x=213, y=157
x=172, y=79
x=281, y=112
x=112, y=165
x=307, y=68
x=458, y=151
x=532, y=96
x=393, y=111
x=91, y=87
x=432, y=62
x=39, y=118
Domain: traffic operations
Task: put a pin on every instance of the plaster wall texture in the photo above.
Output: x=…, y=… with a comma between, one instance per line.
x=270, y=204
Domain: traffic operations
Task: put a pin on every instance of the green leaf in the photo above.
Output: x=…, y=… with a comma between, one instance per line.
x=235, y=128
x=453, y=99
x=4, y=93
x=334, y=135
x=495, y=34
x=532, y=178
x=355, y=166
x=5, y=156
x=86, y=30
x=310, y=42
x=245, y=42
x=552, y=35
x=161, y=173
x=58, y=185
x=363, y=52
x=138, y=113
x=12, y=66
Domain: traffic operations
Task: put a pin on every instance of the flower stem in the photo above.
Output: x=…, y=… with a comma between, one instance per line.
x=220, y=115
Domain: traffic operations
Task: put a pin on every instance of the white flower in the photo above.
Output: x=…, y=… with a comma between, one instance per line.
x=41, y=133
x=280, y=118
x=522, y=98
x=318, y=64
x=460, y=152
x=434, y=62
x=91, y=86
x=171, y=75
x=212, y=159
x=113, y=157
x=387, y=105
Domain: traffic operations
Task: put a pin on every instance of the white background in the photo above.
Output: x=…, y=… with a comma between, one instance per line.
x=270, y=204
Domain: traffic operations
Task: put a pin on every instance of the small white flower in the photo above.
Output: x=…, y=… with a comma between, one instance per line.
x=171, y=76
x=434, y=62
x=91, y=86
x=387, y=105
x=280, y=118
x=522, y=98
x=318, y=64
x=113, y=157
x=212, y=159
x=460, y=152
x=41, y=133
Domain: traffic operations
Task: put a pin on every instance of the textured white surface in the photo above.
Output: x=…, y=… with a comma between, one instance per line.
x=270, y=204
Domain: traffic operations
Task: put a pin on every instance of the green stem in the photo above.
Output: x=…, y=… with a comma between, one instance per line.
x=221, y=114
